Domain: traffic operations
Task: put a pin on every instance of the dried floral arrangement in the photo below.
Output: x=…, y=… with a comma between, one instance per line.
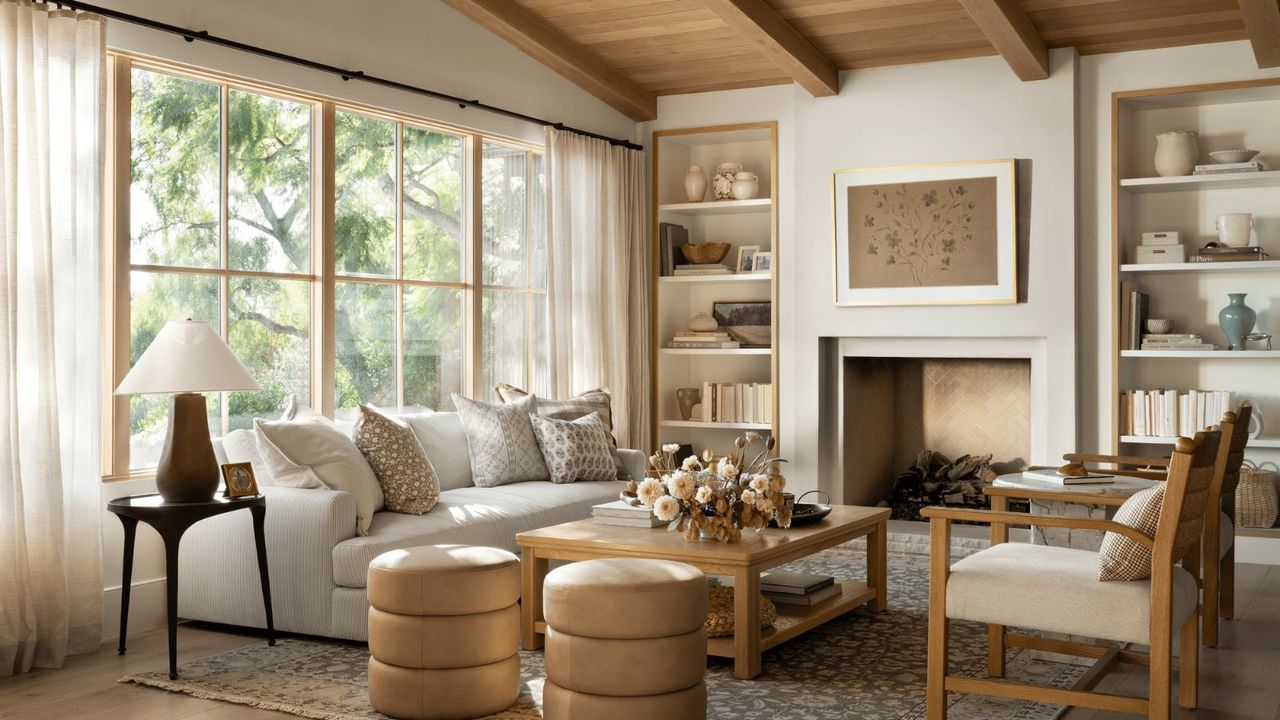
x=717, y=497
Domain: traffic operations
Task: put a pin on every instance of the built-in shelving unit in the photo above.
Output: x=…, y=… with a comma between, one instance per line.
x=676, y=299
x=1226, y=116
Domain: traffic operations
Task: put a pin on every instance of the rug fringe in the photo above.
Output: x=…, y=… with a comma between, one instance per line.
x=298, y=710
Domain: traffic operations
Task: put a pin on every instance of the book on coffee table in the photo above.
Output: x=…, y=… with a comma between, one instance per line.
x=792, y=583
x=1054, y=476
x=651, y=521
x=624, y=514
x=812, y=598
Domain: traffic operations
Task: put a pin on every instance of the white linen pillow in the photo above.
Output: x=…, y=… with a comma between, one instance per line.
x=444, y=441
x=304, y=449
x=241, y=446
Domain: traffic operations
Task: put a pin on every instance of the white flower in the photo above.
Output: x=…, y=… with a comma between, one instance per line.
x=748, y=497
x=671, y=448
x=703, y=496
x=759, y=483
x=681, y=484
x=649, y=491
x=691, y=463
x=777, y=483
x=666, y=508
x=726, y=469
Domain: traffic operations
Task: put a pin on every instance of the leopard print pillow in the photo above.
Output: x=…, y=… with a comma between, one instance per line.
x=408, y=481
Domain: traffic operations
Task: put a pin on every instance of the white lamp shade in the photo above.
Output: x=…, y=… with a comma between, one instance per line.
x=187, y=356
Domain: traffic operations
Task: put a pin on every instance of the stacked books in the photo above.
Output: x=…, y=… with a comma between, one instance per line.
x=625, y=515
x=670, y=238
x=1175, y=341
x=693, y=340
x=1221, y=253
x=789, y=588
x=1166, y=413
x=1056, y=477
x=1133, y=315
x=737, y=402
x=708, y=269
x=1228, y=168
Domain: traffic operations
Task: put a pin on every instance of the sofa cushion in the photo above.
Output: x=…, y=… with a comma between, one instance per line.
x=409, y=483
x=574, y=450
x=445, y=443
x=501, y=442
x=471, y=516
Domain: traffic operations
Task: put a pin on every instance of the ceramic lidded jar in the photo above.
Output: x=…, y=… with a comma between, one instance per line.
x=745, y=186
x=695, y=183
x=1176, y=152
x=722, y=183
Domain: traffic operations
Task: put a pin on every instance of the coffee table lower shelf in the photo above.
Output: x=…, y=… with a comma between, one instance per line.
x=794, y=620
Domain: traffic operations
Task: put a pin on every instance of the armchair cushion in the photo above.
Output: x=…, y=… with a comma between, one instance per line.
x=1057, y=589
x=1121, y=558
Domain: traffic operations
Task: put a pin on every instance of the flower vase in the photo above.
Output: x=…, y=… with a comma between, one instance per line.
x=1237, y=320
x=695, y=184
x=1176, y=152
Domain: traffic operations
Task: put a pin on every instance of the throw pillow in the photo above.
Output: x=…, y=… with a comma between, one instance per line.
x=241, y=446
x=1121, y=558
x=501, y=442
x=304, y=449
x=445, y=443
x=409, y=483
x=575, y=449
x=592, y=401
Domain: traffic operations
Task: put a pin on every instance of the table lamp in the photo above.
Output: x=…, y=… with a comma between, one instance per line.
x=187, y=359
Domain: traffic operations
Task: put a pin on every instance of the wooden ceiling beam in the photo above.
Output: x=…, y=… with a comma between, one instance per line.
x=535, y=37
x=1262, y=23
x=1010, y=31
x=760, y=24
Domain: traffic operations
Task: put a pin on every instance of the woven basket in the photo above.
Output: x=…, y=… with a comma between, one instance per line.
x=705, y=253
x=1256, y=501
x=720, y=611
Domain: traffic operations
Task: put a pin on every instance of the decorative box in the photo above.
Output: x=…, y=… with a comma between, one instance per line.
x=1161, y=237
x=1153, y=254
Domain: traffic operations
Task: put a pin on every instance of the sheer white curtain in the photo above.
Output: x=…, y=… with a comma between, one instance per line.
x=52, y=133
x=599, y=275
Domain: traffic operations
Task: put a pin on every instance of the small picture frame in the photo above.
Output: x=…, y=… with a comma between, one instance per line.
x=762, y=262
x=746, y=257
x=239, y=479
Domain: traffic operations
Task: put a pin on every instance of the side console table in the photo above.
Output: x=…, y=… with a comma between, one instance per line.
x=171, y=520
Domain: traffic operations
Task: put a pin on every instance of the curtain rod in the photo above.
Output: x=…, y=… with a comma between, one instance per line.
x=347, y=75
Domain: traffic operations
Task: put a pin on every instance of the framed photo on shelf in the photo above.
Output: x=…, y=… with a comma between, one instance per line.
x=240, y=479
x=746, y=256
x=762, y=262
x=750, y=323
x=939, y=234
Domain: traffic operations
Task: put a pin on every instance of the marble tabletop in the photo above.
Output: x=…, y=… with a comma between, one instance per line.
x=1121, y=486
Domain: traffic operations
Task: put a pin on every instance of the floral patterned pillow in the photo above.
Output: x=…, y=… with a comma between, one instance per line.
x=408, y=481
x=576, y=450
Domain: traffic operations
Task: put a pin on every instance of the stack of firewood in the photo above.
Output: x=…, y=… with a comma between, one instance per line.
x=934, y=480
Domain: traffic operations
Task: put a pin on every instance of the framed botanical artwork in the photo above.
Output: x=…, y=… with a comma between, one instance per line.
x=746, y=255
x=240, y=479
x=942, y=234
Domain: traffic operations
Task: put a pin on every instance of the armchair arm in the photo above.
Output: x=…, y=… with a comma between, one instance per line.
x=634, y=462
x=945, y=514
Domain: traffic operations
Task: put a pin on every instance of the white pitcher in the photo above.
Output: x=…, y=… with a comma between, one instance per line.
x=1235, y=229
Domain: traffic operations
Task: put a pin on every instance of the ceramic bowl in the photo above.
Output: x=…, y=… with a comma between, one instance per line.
x=705, y=253
x=1233, y=156
x=1159, y=327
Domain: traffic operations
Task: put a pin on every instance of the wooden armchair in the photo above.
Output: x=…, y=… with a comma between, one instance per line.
x=1057, y=590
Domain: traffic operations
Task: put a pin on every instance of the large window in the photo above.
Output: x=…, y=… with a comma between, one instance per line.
x=414, y=253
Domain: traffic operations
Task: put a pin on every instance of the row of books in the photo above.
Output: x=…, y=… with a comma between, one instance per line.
x=737, y=402
x=1175, y=341
x=694, y=340
x=1228, y=254
x=1134, y=306
x=1228, y=168
x=1166, y=413
x=624, y=514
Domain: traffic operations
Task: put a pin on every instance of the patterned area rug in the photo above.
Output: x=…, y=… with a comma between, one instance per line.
x=863, y=665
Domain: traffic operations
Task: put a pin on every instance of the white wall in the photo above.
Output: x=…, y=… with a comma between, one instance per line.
x=420, y=43
x=935, y=112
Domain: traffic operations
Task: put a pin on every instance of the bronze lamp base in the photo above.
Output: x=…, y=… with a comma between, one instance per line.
x=188, y=469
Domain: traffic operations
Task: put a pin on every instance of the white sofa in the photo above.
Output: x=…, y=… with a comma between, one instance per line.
x=318, y=564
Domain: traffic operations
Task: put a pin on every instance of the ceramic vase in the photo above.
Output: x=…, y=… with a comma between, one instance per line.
x=1176, y=152
x=745, y=186
x=688, y=399
x=1237, y=320
x=1235, y=229
x=722, y=182
x=695, y=183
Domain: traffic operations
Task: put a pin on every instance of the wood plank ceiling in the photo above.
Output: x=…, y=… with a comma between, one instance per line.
x=666, y=47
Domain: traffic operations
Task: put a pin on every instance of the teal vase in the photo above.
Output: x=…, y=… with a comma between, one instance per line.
x=1237, y=320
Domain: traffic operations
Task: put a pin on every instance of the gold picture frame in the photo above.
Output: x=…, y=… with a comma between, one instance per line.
x=239, y=480
x=979, y=264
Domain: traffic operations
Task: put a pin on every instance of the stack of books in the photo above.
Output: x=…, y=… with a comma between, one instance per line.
x=693, y=340
x=708, y=269
x=1133, y=315
x=1166, y=413
x=737, y=402
x=1175, y=341
x=1222, y=253
x=1056, y=477
x=789, y=588
x=625, y=515
x=1228, y=168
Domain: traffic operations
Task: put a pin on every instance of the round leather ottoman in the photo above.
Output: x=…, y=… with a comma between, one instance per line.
x=443, y=632
x=625, y=638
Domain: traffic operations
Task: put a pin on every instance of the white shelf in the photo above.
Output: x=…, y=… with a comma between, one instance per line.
x=1262, y=442
x=721, y=207
x=715, y=425
x=1200, y=267
x=713, y=351
x=1214, y=354
x=1268, y=178
x=714, y=279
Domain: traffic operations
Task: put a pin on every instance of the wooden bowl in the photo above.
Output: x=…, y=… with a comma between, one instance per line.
x=705, y=253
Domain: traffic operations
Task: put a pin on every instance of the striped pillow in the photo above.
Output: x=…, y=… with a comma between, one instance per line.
x=1121, y=558
x=578, y=406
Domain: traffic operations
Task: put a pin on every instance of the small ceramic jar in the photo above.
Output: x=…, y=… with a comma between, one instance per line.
x=1176, y=152
x=745, y=186
x=722, y=183
x=695, y=184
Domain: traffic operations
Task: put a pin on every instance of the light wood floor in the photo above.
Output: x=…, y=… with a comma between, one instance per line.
x=1240, y=680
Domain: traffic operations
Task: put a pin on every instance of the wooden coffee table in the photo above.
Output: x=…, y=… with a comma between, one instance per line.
x=744, y=561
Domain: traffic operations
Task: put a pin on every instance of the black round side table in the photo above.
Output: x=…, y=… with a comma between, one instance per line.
x=171, y=520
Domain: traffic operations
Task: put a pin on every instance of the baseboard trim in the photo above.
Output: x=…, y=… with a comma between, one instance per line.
x=1258, y=550
x=147, y=608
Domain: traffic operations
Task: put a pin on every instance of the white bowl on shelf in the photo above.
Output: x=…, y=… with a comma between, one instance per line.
x=1233, y=156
